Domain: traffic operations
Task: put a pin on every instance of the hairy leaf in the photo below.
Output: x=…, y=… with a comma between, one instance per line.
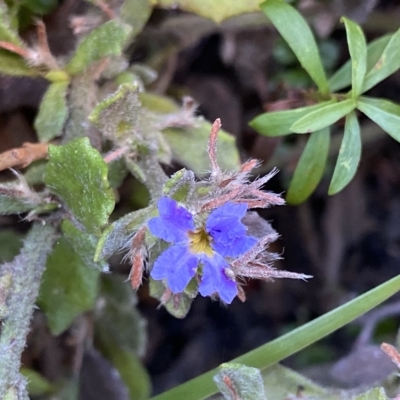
x=77, y=173
x=53, y=112
x=69, y=287
x=105, y=41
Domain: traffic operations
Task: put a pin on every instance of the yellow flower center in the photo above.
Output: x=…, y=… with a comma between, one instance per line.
x=200, y=242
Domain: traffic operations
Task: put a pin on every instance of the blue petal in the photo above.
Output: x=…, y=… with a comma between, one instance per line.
x=228, y=232
x=214, y=279
x=177, y=265
x=173, y=223
x=236, y=247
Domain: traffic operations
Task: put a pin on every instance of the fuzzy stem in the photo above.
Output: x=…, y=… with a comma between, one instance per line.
x=26, y=271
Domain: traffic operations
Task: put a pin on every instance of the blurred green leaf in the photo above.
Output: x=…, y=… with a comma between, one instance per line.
x=107, y=40
x=69, y=287
x=15, y=65
x=310, y=167
x=373, y=394
x=270, y=353
x=387, y=64
x=349, y=155
x=136, y=13
x=84, y=244
x=342, y=77
x=278, y=123
x=40, y=7
x=323, y=117
x=358, y=53
x=120, y=334
x=16, y=199
x=77, y=173
x=53, y=112
x=37, y=384
x=10, y=244
x=237, y=381
x=215, y=10
x=189, y=147
x=295, y=30
x=384, y=113
x=117, y=114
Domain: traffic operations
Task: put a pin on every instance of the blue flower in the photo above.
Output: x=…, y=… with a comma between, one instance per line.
x=222, y=235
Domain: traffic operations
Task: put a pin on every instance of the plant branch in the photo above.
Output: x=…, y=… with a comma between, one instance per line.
x=19, y=291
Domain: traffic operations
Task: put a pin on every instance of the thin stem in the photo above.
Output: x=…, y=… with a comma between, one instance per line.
x=20, y=290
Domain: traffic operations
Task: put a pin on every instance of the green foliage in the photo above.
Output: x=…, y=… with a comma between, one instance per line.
x=84, y=186
x=290, y=343
x=215, y=10
x=238, y=381
x=299, y=37
x=368, y=66
x=107, y=40
x=53, y=112
x=37, y=384
x=69, y=287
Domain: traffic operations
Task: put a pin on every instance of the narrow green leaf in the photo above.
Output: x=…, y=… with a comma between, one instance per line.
x=38, y=385
x=16, y=199
x=53, y=112
x=245, y=383
x=69, y=287
x=349, y=155
x=77, y=173
x=105, y=41
x=15, y=65
x=384, y=113
x=323, y=117
x=295, y=30
x=358, y=53
x=136, y=13
x=310, y=167
x=342, y=77
x=290, y=343
x=278, y=123
x=387, y=64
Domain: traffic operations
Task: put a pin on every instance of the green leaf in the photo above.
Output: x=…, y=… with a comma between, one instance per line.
x=215, y=10
x=295, y=30
x=37, y=384
x=69, y=287
x=323, y=117
x=387, y=64
x=373, y=394
x=77, y=173
x=136, y=13
x=290, y=343
x=189, y=147
x=237, y=381
x=84, y=244
x=349, y=155
x=278, y=123
x=384, y=113
x=342, y=77
x=310, y=167
x=358, y=53
x=117, y=114
x=15, y=65
x=105, y=41
x=120, y=334
x=53, y=112
x=16, y=199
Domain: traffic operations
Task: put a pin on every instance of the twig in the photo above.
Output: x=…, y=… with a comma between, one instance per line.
x=23, y=156
x=26, y=271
